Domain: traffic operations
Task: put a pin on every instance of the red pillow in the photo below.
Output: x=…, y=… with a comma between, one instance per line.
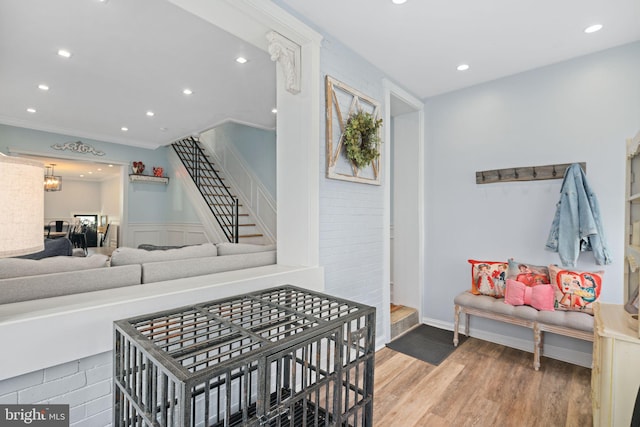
x=488, y=277
x=575, y=290
x=540, y=297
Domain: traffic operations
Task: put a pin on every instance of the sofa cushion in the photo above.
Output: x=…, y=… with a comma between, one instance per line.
x=66, y=283
x=52, y=247
x=570, y=319
x=168, y=270
x=15, y=267
x=227, y=248
x=126, y=256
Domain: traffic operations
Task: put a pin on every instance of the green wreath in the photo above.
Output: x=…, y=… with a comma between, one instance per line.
x=361, y=138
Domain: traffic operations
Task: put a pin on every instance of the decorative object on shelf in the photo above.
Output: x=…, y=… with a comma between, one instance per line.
x=158, y=171
x=527, y=173
x=51, y=181
x=361, y=138
x=353, y=120
x=22, y=206
x=148, y=178
x=138, y=167
x=78, y=147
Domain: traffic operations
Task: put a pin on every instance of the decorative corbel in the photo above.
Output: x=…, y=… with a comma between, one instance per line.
x=287, y=53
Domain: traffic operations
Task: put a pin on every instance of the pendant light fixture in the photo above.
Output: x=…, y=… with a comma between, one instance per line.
x=52, y=182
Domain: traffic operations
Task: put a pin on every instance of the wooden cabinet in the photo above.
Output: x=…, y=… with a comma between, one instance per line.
x=615, y=376
x=632, y=224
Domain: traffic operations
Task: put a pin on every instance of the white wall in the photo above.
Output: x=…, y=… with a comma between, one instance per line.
x=576, y=111
x=351, y=214
x=111, y=199
x=76, y=197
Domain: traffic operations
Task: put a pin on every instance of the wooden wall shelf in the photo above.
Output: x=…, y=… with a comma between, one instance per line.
x=148, y=178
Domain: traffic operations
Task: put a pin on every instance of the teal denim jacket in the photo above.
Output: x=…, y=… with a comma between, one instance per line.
x=577, y=225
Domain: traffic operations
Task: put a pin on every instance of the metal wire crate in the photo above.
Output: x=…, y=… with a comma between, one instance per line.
x=280, y=357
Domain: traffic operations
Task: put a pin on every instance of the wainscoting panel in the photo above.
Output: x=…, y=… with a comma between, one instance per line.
x=266, y=211
x=165, y=234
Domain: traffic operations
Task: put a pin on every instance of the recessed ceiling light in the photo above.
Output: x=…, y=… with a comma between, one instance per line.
x=163, y=129
x=31, y=110
x=150, y=113
x=398, y=1
x=462, y=67
x=64, y=53
x=241, y=60
x=274, y=110
x=187, y=91
x=99, y=169
x=124, y=128
x=81, y=176
x=593, y=28
x=43, y=87
x=90, y=173
x=110, y=166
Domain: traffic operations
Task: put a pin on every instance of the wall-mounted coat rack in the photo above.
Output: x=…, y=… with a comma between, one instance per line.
x=528, y=173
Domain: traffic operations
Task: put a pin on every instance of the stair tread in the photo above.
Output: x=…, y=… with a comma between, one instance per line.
x=250, y=235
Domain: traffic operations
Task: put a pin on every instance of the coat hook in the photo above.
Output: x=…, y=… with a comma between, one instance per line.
x=499, y=176
x=515, y=172
x=483, y=176
x=554, y=173
x=535, y=174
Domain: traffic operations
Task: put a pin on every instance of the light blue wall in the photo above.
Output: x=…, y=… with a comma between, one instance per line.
x=147, y=203
x=257, y=147
x=575, y=111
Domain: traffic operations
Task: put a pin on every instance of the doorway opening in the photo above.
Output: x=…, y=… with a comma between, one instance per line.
x=406, y=210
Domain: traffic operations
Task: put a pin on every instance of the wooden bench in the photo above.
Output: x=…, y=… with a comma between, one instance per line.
x=568, y=323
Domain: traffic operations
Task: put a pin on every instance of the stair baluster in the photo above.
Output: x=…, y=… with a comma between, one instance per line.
x=223, y=205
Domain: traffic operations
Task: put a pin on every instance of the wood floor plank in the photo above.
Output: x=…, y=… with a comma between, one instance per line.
x=480, y=384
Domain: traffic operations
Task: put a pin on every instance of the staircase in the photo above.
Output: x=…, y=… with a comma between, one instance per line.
x=402, y=319
x=232, y=217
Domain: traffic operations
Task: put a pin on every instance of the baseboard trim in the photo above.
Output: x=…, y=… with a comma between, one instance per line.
x=554, y=352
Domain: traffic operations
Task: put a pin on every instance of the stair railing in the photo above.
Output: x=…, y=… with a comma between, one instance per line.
x=223, y=205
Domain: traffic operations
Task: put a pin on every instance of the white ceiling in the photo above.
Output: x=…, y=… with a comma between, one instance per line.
x=133, y=56
x=420, y=43
x=128, y=57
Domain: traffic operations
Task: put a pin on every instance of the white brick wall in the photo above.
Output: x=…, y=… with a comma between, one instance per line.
x=85, y=385
x=351, y=214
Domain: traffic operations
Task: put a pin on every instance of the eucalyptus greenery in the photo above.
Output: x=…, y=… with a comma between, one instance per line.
x=361, y=138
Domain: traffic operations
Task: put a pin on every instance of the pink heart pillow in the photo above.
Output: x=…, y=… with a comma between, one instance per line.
x=540, y=297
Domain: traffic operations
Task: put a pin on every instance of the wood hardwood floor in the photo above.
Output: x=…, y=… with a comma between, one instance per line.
x=480, y=384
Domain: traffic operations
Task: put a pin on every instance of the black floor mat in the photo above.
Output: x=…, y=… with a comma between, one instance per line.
x=427, y=343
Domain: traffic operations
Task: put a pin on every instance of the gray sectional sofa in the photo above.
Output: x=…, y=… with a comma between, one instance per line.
x=29, y=279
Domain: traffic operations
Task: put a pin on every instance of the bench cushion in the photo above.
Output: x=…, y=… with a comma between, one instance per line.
x=568, y=319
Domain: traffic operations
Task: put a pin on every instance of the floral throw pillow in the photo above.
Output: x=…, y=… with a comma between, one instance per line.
x=529, y=274
x=575, y=290
x=488, y=277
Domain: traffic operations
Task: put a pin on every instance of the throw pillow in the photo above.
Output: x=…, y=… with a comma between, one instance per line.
x=488, y=277
x=540, y=297
x=52, y=247
x=528, y=274
x=575, y=290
